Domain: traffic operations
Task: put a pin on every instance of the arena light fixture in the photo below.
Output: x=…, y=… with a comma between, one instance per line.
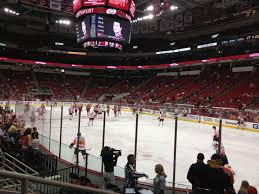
x=59, y=43
x=173, y=7
x=147, y=17
x=65, y=22
x=150, y=8
x=10, y=11
x=207, y=45
x=214, y=35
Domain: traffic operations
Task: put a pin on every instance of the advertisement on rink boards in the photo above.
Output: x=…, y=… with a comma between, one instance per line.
x=256, y=126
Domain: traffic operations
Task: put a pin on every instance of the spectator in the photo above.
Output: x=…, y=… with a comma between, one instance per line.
x=244, y=188
x=26, y=141
x=229, y=171
x=252, y=190
x=131, y=175
x=159, y=180
x=35, y=141
x=196, y=174
x=35, y=133
x=216, y=177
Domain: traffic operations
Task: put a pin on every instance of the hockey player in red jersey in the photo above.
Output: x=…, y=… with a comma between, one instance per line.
x=80, y=107
x=96, y=109
x=88, y=108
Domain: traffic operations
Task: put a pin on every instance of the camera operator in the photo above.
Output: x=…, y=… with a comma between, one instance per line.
x=131, y=175
x=110, y=157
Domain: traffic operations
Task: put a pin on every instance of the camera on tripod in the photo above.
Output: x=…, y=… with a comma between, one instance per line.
x=110, y=157
x=116, y=153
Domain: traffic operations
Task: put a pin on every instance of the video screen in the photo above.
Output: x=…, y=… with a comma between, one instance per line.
x=77, y=4
x=119, y=4
x=83, y=30
x=113, y=28
x=97, y=44
x=94, y=3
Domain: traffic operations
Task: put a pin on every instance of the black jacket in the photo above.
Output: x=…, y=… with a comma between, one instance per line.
x=217, y=179
x=197, y=175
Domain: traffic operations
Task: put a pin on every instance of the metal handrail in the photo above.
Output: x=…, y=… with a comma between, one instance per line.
x=25, y=178
x=15, y=161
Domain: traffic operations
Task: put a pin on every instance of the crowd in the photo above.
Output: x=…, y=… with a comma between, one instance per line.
x=15, y=137
x=215, y=177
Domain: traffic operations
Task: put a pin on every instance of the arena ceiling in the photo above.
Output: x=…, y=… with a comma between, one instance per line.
x=141, y=5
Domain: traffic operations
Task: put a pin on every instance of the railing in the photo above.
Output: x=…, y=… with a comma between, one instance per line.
x=10, y=163
x=43, y=163
x=65, y=188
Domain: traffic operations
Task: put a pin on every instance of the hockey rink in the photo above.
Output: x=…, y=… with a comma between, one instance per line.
x=155, y=144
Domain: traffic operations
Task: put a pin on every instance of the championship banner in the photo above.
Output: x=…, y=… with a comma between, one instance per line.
x=55, y=4
x=167, y=4
x=156, y=5
x=67, y=6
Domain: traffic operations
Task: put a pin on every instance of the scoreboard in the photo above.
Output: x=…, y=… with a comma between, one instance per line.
x=94, y=2
x=120, y=4
x=103, y=23
x=128, y=6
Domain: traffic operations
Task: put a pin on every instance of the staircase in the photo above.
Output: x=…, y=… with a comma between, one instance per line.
x=35, y=79
x=142, y=84
x=10, y=163
x=67, y=92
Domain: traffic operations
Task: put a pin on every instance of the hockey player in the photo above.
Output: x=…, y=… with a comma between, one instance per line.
x=40, y=112
x=134, y=109
x=119, y=109
x=92, y=116
x=88, y=108
x=161, y=118
x=108, y=109
x=43, y=108
x=216, y=134
x=140, y=109
x=75, y=108
x=241, y=121
x=27, y=107
x=96, y=109
x=81, y=146
x=32, y=116
x=115, y=109
x=71, y=110
x=80, y=107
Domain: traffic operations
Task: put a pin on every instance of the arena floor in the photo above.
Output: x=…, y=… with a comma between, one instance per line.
x=155, y=143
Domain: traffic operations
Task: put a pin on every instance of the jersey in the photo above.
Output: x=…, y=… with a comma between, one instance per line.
x=81, y=145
